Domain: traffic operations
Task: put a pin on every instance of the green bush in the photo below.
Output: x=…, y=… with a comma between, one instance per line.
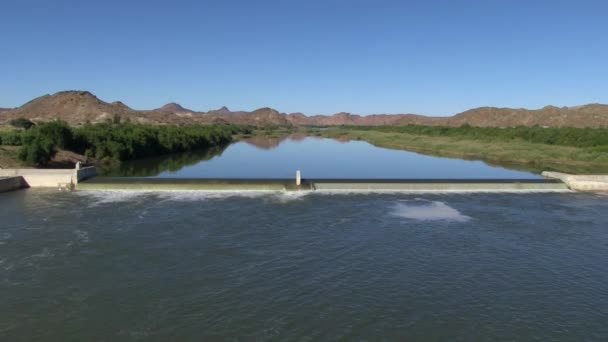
x=38, y=151
x=40, y=143
x=128, y=141
x=22, y=123
x=121, y=141
x=10, y=138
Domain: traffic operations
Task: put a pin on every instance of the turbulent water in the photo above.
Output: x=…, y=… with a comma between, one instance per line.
x=289, y=267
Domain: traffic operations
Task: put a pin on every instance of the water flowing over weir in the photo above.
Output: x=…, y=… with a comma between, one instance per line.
x=368, y=185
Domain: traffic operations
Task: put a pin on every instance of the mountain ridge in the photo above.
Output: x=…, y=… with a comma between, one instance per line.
x=78, y=107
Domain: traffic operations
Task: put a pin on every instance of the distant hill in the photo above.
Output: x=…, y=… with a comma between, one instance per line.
x=592, y=115
x=175, y=108
x=222, y=111
x=71, y=106
x=78, y=107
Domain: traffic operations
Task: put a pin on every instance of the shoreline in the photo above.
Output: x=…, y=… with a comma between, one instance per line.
x=517, y=155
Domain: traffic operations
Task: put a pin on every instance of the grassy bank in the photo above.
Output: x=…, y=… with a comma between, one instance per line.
x=562, y=136
x=9, y=154
x=9, y=157
x=512, y=153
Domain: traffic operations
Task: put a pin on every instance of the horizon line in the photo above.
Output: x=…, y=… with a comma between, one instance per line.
x=296, y=112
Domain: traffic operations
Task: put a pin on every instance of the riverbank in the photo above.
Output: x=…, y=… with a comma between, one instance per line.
x=9, y=157
x=515, y=154
x=65, y=159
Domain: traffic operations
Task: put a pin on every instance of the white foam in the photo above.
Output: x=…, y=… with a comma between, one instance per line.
x=194, y=195
x=202, y=195
x=110, y=196
x=423, y=210
x=289, y=196
x=113, y=196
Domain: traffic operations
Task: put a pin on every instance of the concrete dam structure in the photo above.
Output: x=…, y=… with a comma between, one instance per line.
x=85, y=179
x=13, y=179
x=346, y=185
x=581, y=182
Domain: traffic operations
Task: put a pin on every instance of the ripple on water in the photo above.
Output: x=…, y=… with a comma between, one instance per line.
x=424, y=210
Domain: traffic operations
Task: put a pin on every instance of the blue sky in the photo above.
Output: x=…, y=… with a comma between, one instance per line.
x=427, y=57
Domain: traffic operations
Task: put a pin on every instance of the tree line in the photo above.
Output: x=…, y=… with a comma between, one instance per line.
x=117, y=141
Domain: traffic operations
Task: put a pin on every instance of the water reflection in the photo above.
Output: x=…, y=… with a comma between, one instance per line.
x=268, y=142
x=167, y=163
x=278, y=156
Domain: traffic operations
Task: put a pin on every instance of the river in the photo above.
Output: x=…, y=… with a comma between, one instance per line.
x=268, y=157
x=303, y=266
x=192, y=266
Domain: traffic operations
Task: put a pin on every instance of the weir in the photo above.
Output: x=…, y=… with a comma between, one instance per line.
x=85, y=179
x=12, y=179
x=366, y=185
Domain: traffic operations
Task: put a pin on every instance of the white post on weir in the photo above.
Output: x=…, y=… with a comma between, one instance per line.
x=298, y=177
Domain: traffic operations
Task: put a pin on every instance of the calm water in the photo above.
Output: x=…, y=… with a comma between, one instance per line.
x=316, y=157
x=285, y=267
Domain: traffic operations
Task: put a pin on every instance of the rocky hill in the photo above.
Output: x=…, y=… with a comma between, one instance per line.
x=78, y=107
x=592, y=115
x=71, y=106
x=175, y=108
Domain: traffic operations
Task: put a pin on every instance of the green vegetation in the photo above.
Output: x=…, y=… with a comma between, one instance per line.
x=22, y=123
x=274, y=131
x=131, y=141
x=536, y=149
x=41, y=142
x=576, y=137
x=121, y=141
x=9, y=157
x=11, y=138
x=10, y=134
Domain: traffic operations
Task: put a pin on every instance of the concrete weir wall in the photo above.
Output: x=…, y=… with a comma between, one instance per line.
x=368, y=185
x=441, y=185
x=11, y=183
x=11, y=179
x=581, y=182
x=50, y=178
x=166, y=184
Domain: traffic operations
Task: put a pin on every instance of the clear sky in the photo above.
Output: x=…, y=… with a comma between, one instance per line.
x=427, y=57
